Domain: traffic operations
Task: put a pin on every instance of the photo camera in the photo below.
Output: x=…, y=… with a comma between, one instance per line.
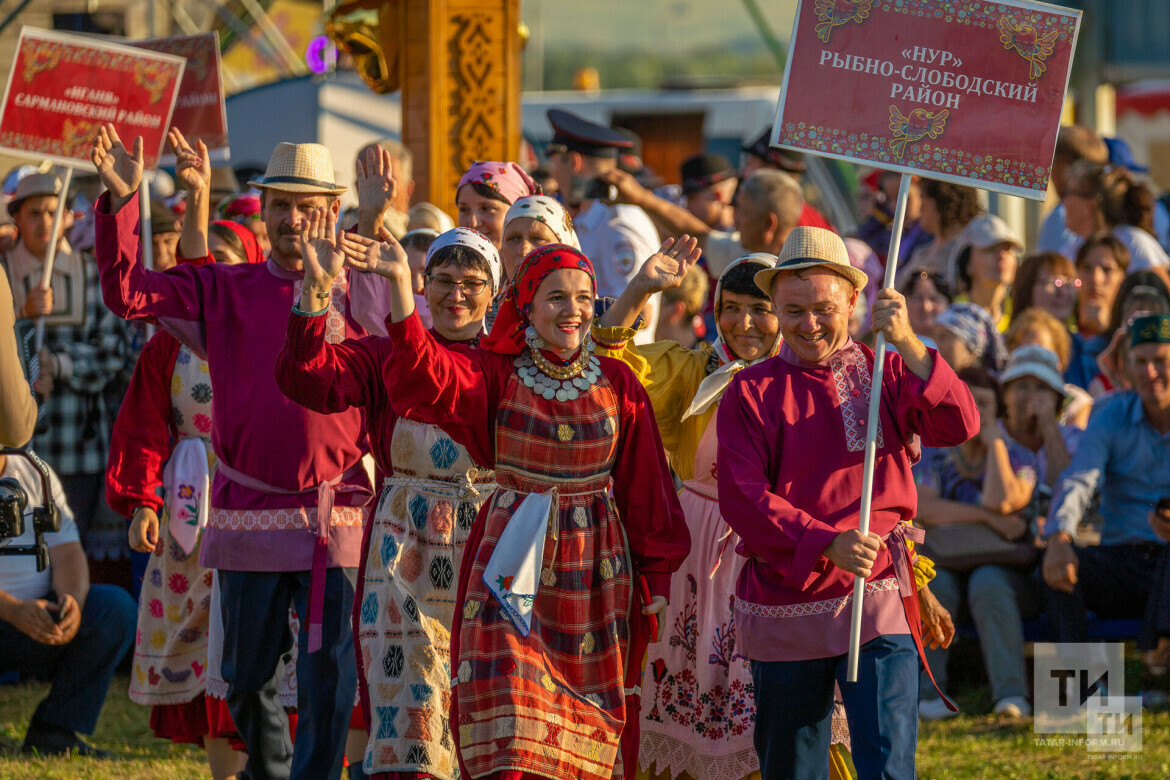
x=14, y=505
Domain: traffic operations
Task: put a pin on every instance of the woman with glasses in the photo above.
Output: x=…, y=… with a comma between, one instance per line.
x=404, y=600
x=561, y=573
x=1047, y=280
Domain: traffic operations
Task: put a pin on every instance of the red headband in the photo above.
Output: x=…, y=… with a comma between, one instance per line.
x=252, y=253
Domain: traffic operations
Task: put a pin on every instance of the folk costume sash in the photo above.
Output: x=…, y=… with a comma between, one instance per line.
x=187, y=481
x=908, y=592
x=326, y=491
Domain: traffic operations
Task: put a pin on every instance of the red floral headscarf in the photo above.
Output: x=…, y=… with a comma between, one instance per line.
x=252, y=252
x=506, y=178
x=507, y=336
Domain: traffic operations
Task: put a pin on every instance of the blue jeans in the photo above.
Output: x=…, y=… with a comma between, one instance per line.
x=1000, y=600
x=254, y=605
x=81, y=670
x=794, y=705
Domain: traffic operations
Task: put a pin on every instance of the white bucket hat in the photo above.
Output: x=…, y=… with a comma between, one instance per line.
x=1036, y=361
x=305, y=168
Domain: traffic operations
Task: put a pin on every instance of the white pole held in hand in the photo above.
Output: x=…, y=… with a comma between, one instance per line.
x=875, y=396
x=147, y=232
x=51, y=255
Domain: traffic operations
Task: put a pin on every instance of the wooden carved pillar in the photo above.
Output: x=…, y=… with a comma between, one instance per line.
x=457, y=63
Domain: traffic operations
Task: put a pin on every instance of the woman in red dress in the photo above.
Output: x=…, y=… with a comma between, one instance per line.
x=547, y=647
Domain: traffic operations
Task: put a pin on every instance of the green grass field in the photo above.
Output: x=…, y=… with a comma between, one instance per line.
x=975, y=745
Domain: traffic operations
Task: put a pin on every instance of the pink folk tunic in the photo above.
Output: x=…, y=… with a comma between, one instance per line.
x=791, y=447
x=237, y=317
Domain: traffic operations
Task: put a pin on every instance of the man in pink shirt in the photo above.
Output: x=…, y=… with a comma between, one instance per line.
x=289, y=493
x=792, y=434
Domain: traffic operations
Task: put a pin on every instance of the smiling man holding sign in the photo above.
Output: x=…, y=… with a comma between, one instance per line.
x=815, y=442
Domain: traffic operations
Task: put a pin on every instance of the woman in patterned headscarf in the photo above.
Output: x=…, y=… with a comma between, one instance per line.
x=485, y=193
x=531, y=222
x=413, y=547
x=548, y=642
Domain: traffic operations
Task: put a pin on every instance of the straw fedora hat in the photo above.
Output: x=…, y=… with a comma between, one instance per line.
x=807, y=247
x=299, y=168
x=31, y=186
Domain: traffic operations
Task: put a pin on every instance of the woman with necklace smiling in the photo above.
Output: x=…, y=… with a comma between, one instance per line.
x=404, y=600
x=548, y=644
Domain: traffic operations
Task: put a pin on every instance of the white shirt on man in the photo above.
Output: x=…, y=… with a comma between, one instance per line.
x=19, y=577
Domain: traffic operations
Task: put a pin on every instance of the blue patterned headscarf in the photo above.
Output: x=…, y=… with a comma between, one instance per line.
x=973, y=326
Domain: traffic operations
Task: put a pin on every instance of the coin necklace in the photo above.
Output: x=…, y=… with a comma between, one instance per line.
x=564, y=383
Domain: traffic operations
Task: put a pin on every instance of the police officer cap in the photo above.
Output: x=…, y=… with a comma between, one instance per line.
x=572, y=133
x=784, y=159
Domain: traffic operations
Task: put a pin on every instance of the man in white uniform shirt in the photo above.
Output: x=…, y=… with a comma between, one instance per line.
x=617, y=238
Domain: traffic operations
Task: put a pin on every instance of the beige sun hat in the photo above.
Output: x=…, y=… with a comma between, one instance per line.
x=808, y=247
x=304, y=168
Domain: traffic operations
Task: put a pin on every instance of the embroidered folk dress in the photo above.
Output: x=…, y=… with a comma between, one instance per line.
x=700, y=710
x=791, y=453
x=404, y=604
x=168, y=397
x=561, y=702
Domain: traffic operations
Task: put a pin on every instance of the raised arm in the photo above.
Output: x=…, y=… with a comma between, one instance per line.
x=129, y=290
x=322, y=377
x=194, y=171
x=668, y=218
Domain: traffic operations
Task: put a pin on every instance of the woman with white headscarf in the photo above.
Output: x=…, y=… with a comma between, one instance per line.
x=405, y=595
x=534, y=221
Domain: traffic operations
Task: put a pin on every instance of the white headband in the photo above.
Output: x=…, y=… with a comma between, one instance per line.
x=474, y=240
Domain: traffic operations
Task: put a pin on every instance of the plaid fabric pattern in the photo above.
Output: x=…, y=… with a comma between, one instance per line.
x=77, y=437
x=551, y=704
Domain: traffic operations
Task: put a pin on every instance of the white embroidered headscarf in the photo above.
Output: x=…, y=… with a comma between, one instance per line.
x=548, y=210
x=712, y=387
x=474, y=240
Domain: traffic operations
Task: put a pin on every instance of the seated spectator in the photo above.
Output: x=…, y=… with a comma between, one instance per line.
x=966, y=335
x=1107, y=197
x=1037, y=326
x=1073, y=143
x=980, y=482
x=1141, y=294
x=1048, y=281
x=1102, y=263
x=875, y=230
x=946, y=210
x=927, y=294
x=983, y=266
x=54, y=624
x=1124, y=453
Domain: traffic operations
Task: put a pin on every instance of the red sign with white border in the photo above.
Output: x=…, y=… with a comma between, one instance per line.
x=199, y=112
x=968, y=92
x=62, y=88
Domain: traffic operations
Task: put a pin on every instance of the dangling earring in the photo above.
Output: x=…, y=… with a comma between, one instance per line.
x=533, y=338
x=588, y=345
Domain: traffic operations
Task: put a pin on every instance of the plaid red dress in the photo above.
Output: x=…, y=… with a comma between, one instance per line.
x=563, y=701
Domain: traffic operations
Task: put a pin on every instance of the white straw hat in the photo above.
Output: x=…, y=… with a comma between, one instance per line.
x=808, y=247
x=304, y=168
